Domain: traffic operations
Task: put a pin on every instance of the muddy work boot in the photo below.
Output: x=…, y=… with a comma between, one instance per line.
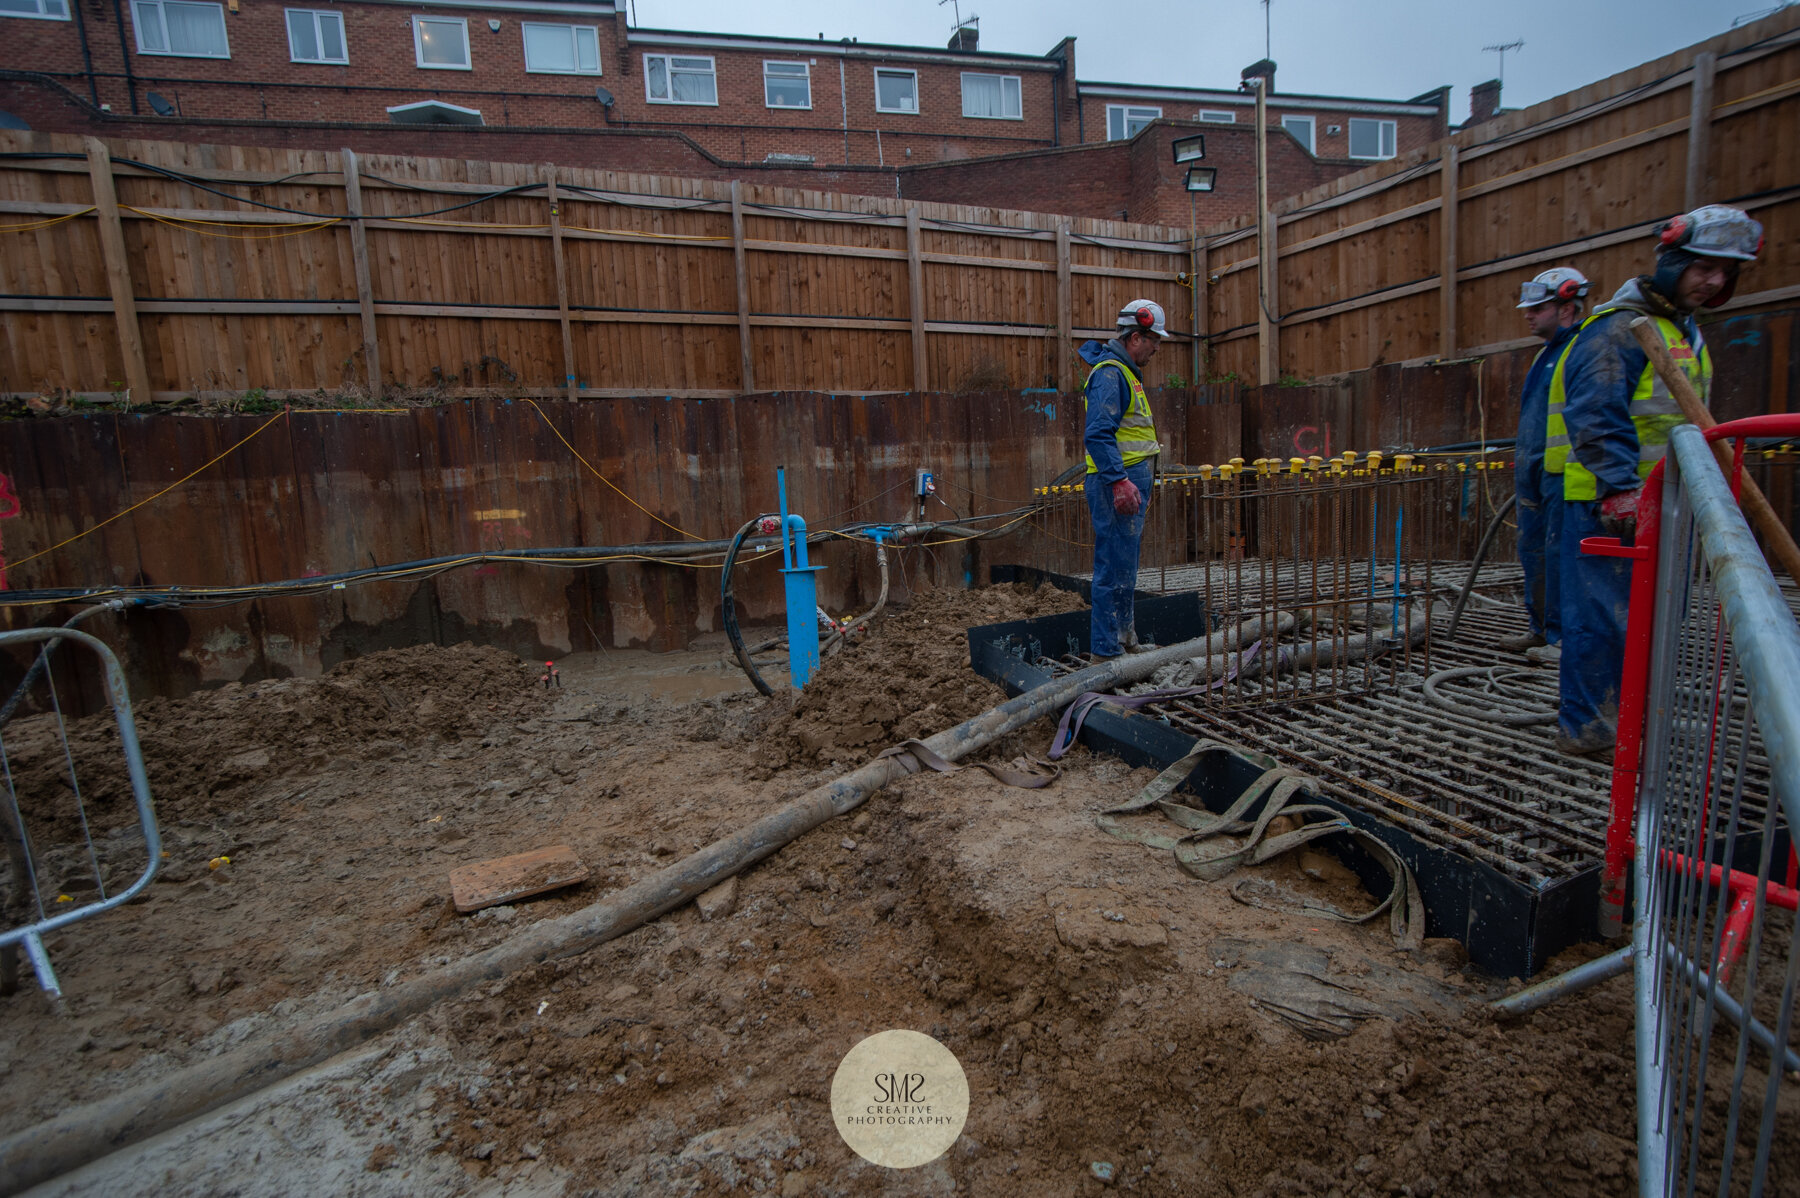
x=1520, y=643
x=1133, y=644
x=1595, y=742
x=1549, y=655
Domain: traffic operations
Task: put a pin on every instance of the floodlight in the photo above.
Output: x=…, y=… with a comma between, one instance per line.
x=1190, y=149
x=1200, y=178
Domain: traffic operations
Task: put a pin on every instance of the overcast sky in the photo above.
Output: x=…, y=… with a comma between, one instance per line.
x=1387, y=49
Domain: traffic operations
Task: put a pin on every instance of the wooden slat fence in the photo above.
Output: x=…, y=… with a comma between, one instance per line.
x=233, y=268
x=1580, y=179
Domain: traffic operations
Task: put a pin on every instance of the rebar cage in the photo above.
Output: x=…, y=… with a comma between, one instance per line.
x=1716, y=948
x=75, y=810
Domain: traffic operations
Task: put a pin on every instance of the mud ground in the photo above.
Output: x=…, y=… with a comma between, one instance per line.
x=1115, y=1017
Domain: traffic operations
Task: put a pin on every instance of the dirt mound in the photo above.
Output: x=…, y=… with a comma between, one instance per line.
x=911, y=677
x=203, y=750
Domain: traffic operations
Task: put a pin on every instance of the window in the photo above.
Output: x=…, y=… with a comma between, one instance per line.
x=1218, y=116
x=896, y=91
x=43, y=10
x=993, y=97
x=314, y=36
x=1123, y=121
x=442, y=43
x=787, y=85
x=561, y=49
x=669, y=79
x=180, y=27
x=1302, y=129
x=1371, y=139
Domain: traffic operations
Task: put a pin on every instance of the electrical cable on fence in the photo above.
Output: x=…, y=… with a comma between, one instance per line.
x=628, y=499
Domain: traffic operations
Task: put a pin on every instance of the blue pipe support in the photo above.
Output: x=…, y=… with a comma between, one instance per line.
x=802, y=592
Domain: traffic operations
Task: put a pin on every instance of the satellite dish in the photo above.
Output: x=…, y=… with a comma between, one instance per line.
x=605, y=97
x=161, y=106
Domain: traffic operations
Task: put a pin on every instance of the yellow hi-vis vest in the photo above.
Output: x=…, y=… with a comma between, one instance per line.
x=1137, y=431
x=1653, y=409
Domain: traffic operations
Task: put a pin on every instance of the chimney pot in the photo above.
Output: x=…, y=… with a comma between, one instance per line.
x=966, y=37
x=1484, y=101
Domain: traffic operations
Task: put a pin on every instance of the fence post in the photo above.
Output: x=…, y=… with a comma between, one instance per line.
x=1202, y=317
x=1447, y=187
x=915, y=283
x=562, y=280
x=365, y=287
x=1065, y=300
x=1699, y=128
x=118, y=272
x=747, y=381
x=1268, y=349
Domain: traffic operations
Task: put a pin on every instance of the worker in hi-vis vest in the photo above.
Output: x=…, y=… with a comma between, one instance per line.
x=1121, y=464
x=1609, y=422
x=1552, y=304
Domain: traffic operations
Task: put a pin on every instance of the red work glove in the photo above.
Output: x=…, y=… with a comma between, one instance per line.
x=1618, y=512
x=1126, y=499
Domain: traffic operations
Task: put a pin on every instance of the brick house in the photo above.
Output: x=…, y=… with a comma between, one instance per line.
x=571, y=81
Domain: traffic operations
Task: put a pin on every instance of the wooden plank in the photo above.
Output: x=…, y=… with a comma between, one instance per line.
x=746, y=374
x=562, y=279
x=118, y=272
x=365, y=288
x=1352, y=230
x=508, y=879
x=1065, y=317
x=1700, y=129
x=1125, y=272
x=1201, y=305
x=1268, y=350
x=915, y=289
x=1447, y=267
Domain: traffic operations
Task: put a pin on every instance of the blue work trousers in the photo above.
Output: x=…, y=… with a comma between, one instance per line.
x=1540, y=548
x=1116, y=541
x=1596, y=596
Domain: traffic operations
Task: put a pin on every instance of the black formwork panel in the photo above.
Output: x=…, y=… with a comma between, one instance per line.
x=1510, y=928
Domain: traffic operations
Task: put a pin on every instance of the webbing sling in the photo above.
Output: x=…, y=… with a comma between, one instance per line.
x=1213, y=862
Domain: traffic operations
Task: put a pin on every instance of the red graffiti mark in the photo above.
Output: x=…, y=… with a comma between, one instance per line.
x=1306, y=440
x=9, y=507
x=500, y=534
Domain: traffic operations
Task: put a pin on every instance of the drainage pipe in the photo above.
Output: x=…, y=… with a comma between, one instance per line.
x=76, y=1137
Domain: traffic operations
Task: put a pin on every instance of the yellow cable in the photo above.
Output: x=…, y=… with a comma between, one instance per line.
x=660, y=236
x=29, y=226
x=628, y=499
x=190, y=225
x=450, y=224
x=140, y=503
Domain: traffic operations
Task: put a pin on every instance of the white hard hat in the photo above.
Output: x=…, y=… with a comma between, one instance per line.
x=1142, y=316
x=1712, y=231
x=1563, y=284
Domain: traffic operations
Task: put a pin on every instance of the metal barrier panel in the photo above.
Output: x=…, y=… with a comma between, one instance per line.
x=75, y=812
x=1716, y=946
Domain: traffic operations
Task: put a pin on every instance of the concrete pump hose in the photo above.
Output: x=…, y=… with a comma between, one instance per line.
x=79, y=1136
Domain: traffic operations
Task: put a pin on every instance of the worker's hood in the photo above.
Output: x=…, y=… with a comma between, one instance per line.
x=1641, y=295
x=1096, y=352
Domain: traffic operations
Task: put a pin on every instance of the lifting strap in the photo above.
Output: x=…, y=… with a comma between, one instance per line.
x=1201, y=853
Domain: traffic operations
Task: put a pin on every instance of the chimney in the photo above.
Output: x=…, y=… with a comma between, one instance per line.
x=1266, y=69
x=1484, y=101
x=966, y=37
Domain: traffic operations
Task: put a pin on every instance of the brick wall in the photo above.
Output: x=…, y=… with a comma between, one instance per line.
x=1410, y=132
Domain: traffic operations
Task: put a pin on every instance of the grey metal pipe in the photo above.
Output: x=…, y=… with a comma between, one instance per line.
x=1572, y=981
x=76, y=1137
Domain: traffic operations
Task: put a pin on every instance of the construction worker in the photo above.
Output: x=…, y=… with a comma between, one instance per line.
x=1121, y=461
x=1611, y=415
x=1552, y=304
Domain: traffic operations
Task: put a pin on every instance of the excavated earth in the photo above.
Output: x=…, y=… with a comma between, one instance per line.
x=1122, y=1025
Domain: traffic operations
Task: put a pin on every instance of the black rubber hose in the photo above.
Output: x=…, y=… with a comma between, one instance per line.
x=728, y=608
x=1487, y=540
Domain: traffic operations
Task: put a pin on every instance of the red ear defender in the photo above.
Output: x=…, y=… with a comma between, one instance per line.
x=1568, y=290
x=1145, y=319
x=1675, y=233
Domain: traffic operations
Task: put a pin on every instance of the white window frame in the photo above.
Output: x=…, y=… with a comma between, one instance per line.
x=574, y=32
x=1018, y=84
x=669, y=75
x=1217, y=116
x=41, y=14
x=318, y=36
x=876, y=79
x=1387, y=138
x=418, y=21
x=805, y=75
x=1311, y=140
x=137, y=7
x=1125, y=118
